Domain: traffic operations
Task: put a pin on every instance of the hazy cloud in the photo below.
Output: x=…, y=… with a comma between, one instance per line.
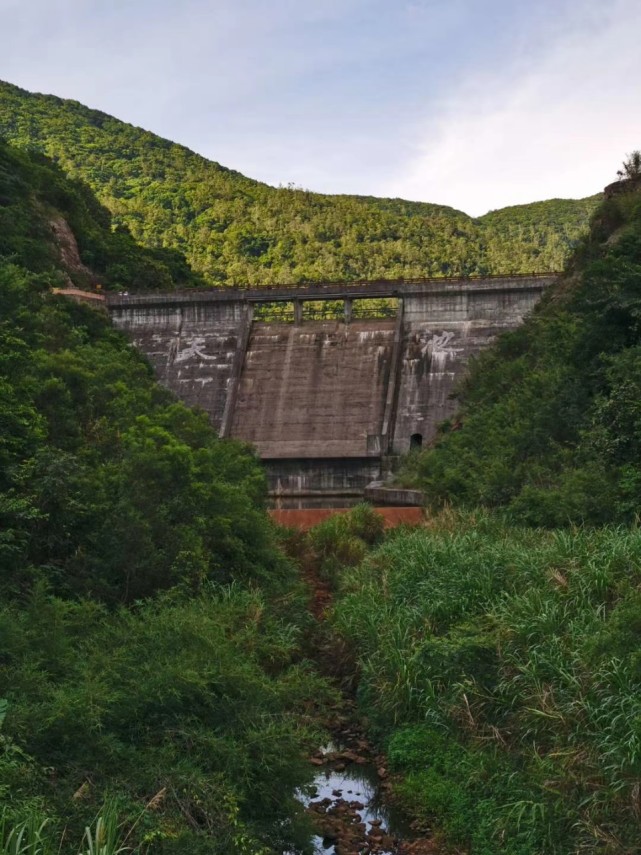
x=474, y=103
x=553, y=123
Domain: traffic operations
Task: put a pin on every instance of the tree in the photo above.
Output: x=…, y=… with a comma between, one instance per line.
x=631, y=166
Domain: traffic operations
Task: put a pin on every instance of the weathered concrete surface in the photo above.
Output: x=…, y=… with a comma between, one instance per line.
x=315, y=390
x=329, y=290
x=323, y=402
x=191, y=347
x=441, y=333
x=379, y=494
x=316, y=477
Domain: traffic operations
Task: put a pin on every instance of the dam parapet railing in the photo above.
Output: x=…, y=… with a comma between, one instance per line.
x=370, y=289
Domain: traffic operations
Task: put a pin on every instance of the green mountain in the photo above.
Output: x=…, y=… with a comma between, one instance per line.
x=551, y=420
x=51, y=223
x=235, y=230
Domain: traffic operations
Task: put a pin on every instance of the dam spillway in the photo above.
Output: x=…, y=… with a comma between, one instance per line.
x=324, y=401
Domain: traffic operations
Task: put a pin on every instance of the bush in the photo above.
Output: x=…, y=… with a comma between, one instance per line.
x=343, y=540
x=200, y=699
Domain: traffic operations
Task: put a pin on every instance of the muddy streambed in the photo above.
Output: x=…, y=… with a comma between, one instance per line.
x=346, y=800
x=348, y=805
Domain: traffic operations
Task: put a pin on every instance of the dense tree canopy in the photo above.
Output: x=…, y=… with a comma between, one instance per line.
x=49, y=222
x=149, y=625
x=550, y=415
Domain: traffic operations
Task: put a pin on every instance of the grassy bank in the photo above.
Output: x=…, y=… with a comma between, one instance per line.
x=499, y=668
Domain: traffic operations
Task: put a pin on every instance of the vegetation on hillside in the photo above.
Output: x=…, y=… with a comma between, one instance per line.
x=153, y=682
x=498, y=662
x=551, y=419
x=150, y=627
x=49, y=223
x=235, y=230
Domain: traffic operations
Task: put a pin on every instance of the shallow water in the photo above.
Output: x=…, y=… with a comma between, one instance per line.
x=356, y=783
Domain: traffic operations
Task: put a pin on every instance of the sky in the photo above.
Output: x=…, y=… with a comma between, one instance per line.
x=477, y=104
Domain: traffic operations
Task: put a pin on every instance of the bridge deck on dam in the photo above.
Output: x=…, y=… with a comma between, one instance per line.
x=324, y=401
x=332, y=290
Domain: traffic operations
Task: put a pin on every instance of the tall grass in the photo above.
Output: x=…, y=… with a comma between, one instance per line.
x=35, y=836
x=503, y=666
x=29, y=837
x=105, y=836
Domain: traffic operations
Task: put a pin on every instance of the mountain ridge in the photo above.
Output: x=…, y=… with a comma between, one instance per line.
x=234, y=229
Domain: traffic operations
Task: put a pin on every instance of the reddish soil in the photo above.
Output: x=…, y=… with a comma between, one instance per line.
x=306, y=519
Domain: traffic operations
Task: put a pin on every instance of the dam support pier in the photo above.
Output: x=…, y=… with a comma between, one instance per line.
x=327, y=382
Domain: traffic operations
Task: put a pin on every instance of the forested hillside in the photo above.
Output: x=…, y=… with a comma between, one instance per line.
x=235, y=230
x=150, y=628
x=550, y=416
x=496, y=649
x=49, y=222
x=156, y=693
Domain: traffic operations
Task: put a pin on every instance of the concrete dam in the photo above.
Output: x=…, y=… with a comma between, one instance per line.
x=327, y=382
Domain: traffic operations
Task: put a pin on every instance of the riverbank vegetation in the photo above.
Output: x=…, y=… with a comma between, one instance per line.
x=498, y=667
x=496, y=650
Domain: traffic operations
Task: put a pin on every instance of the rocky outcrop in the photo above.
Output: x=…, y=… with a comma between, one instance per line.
x=77, y=272
x=623, y=185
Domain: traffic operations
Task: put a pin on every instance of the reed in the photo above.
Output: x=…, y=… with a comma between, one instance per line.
x=501, y=666
x=35, y=835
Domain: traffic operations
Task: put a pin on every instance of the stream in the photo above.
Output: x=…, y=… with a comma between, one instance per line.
x=350, y=800
x=346, y=798
x=349, y=803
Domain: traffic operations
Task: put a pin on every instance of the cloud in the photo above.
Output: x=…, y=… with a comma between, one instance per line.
x=555, y=122
x=473, y=104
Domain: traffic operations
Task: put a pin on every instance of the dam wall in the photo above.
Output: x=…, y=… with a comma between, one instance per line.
x=324, y=401
x=316, y=390
x=440, y=334
x=191, y=347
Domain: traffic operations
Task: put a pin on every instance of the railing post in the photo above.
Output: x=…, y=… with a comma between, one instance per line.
x=348, y=305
